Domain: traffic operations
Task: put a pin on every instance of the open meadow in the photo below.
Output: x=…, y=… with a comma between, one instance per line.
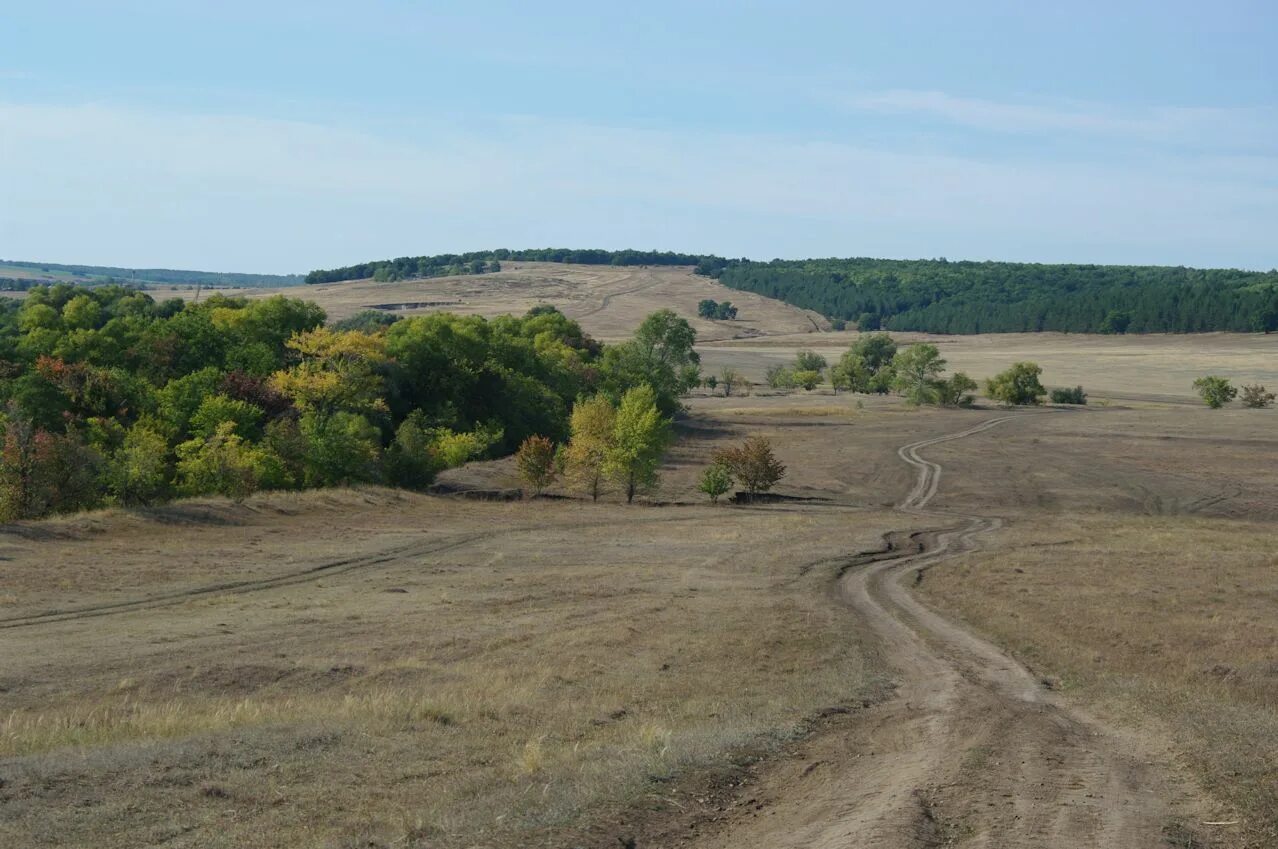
x=982, y=627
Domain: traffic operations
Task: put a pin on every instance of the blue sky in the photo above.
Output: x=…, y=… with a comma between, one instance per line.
x=282, y=136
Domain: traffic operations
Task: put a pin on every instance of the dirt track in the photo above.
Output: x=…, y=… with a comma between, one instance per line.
x=971, y=748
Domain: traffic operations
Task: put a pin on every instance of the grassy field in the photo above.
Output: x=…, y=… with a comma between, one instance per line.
x=1138, y=568
x=467, y=673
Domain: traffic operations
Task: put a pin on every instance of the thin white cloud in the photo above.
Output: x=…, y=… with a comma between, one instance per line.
x=1227, y=126
x=102, y=183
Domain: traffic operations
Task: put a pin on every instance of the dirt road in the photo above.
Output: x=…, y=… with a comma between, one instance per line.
x=972, y=748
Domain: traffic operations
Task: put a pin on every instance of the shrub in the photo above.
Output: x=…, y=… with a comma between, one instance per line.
x=809, y=379
x=753, y=464
x=732, y=380
x=715, y=481
x=1017, y=386
x=1215, y=391
x=1065, y=395
x=780, y=377
x=1256, y=397
x=535, y=462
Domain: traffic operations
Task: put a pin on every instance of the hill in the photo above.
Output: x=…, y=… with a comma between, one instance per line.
x=21, y=275
x=935, y=296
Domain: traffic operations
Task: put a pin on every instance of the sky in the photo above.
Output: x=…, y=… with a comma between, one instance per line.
x=278, y=136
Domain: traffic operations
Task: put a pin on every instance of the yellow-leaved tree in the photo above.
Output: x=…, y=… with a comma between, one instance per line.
x=592, y=426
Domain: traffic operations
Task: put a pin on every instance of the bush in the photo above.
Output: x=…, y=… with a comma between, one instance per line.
x=780, y=377
x=1065, y=395
x=1256, y=397
x=1018, y=385
x=535, y=462
x=809, y=379
x=753, y=464
x=715, y=481
x=1215, y=391
x=956, y=391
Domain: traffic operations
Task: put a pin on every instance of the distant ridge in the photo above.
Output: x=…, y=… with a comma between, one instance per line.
x=32, y=273
x=932, y=295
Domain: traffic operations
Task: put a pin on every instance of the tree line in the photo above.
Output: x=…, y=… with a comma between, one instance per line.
x=105, y=274
x=110, y=397
x=480, y=262
x=935, y=295
x=938, y=296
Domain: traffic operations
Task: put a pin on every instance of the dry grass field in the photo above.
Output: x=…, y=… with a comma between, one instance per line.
x=456, y=673
x=608, y=301
x=1158, y=368
x=380, y=669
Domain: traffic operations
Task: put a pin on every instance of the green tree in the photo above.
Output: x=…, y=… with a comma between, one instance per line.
x=640, y=437
x=139, y=469
x=915, y=373
x=593, y=424
x=660, y=355
x=957, y=390
x=809, y=361
x=216, y=409
x=866, y=367
x=1019, y=385
x=1215, y=391
x=715, y=481
x=226, y=464
x=341, y=449
x=808, y=379
x=535, y=462
x=753, y=464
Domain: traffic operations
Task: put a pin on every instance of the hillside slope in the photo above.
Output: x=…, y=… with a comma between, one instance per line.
x=609, y=301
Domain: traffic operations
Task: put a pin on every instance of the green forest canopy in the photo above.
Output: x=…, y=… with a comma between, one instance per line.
x=108, y=396
x=937, y=295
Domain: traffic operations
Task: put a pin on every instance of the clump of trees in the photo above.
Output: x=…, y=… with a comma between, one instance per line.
x=866, y=367
x=708, y=308
x=753, y=464
x=1017, y=386
x=806, y=372
x=1066, y=395
x=1215, y=391
x=1218, y=391
x=109, y=397
x=916, y=373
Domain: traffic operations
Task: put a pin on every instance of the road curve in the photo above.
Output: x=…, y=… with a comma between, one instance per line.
x=971, y=750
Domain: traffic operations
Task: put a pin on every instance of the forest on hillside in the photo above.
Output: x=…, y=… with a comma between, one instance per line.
x=935, y=295
x=938, y=296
